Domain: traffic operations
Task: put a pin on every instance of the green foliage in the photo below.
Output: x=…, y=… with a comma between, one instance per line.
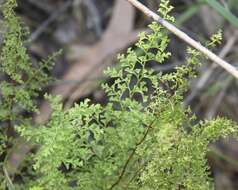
x=23, y=80
x=215, y=39
x=143, y=138
x=178, y=161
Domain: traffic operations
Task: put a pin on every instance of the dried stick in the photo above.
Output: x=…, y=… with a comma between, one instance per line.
x=203, y=80
x=182, y=35
x=218, y=99
x=47, y=22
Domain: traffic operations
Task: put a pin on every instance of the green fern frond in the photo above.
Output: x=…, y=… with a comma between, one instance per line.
x=143, y=138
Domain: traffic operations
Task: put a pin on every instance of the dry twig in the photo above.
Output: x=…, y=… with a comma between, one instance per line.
x=182, y=35
x=206, y=75
x=47, y=22
x=212, y=110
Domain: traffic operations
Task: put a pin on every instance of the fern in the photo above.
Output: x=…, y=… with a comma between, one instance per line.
x=22, y=81
x=143, y=138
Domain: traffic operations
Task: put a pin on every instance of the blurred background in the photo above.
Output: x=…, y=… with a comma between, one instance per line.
x=92, y=32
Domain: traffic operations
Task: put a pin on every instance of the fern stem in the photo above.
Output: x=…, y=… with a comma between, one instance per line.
x=132, y=154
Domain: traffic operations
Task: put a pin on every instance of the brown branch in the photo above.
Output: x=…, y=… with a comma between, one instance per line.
x=203, y=80
x=131, y=155
x=136, y=174
x=182, y=35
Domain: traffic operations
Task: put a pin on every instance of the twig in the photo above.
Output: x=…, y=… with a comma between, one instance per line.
x=217, y=101
x=47, y=22
x=228, y=67
x=202, y=81
x=131, y=155
x=8, y=179
x=95, y=16
x=136, y=174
